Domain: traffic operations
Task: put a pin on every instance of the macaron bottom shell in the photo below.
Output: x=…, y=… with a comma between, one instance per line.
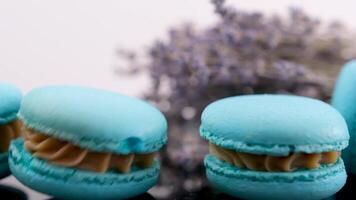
x=246, y=184
x=4, y=165
x=69, y=183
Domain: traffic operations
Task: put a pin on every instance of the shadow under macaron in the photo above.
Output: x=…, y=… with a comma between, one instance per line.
x=4, y=166
x=7, y=192
x=348, y=191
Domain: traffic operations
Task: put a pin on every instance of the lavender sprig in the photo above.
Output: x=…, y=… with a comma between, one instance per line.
x=243, y=53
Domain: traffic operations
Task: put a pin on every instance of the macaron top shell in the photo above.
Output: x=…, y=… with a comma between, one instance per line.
x=95, y=119
x=274, y=125
x=10, y=100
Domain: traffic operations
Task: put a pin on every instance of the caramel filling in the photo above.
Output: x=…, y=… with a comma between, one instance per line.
x=65, y=154
x=288, y=163
x=8, y=132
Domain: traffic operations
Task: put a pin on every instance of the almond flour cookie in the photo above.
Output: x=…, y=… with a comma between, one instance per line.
x=274, y=147
x=84, y=143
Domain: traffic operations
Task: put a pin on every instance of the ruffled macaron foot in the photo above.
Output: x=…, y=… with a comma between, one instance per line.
x=70, y=183
x=306, y=184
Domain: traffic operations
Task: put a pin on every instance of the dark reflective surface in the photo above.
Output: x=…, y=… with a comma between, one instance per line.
x=4, y=174
x=145, y=196
x=206, y=193
x=348, y=192
x=11, y=193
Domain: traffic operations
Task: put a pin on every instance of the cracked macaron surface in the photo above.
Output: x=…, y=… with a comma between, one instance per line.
x=10, y=99
x=270, y=146
x=88, y=134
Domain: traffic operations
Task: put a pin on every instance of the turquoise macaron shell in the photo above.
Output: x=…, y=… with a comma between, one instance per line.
x=10, y=100
x=69, y=183
x=274, y=125
x=315, y=184
x=95, y=119
x=344, y=100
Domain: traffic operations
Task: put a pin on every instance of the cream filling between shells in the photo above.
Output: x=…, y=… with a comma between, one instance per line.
x=65, y=154
x=8, y=132
x=269, y=163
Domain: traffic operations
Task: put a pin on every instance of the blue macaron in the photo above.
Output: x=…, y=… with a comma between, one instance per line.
x=274, y=147
x=10, y=99
x=97, y=124
x=344, y=100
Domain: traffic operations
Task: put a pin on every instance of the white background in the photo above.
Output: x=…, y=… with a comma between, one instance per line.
x=74, y=42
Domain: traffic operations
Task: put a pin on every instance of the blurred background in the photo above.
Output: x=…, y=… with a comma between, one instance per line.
x=178, y=54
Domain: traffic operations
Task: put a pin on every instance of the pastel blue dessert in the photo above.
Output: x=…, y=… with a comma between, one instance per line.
x=10, y=99
x=83, y=143
x=274, y=147
x=344, y=100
